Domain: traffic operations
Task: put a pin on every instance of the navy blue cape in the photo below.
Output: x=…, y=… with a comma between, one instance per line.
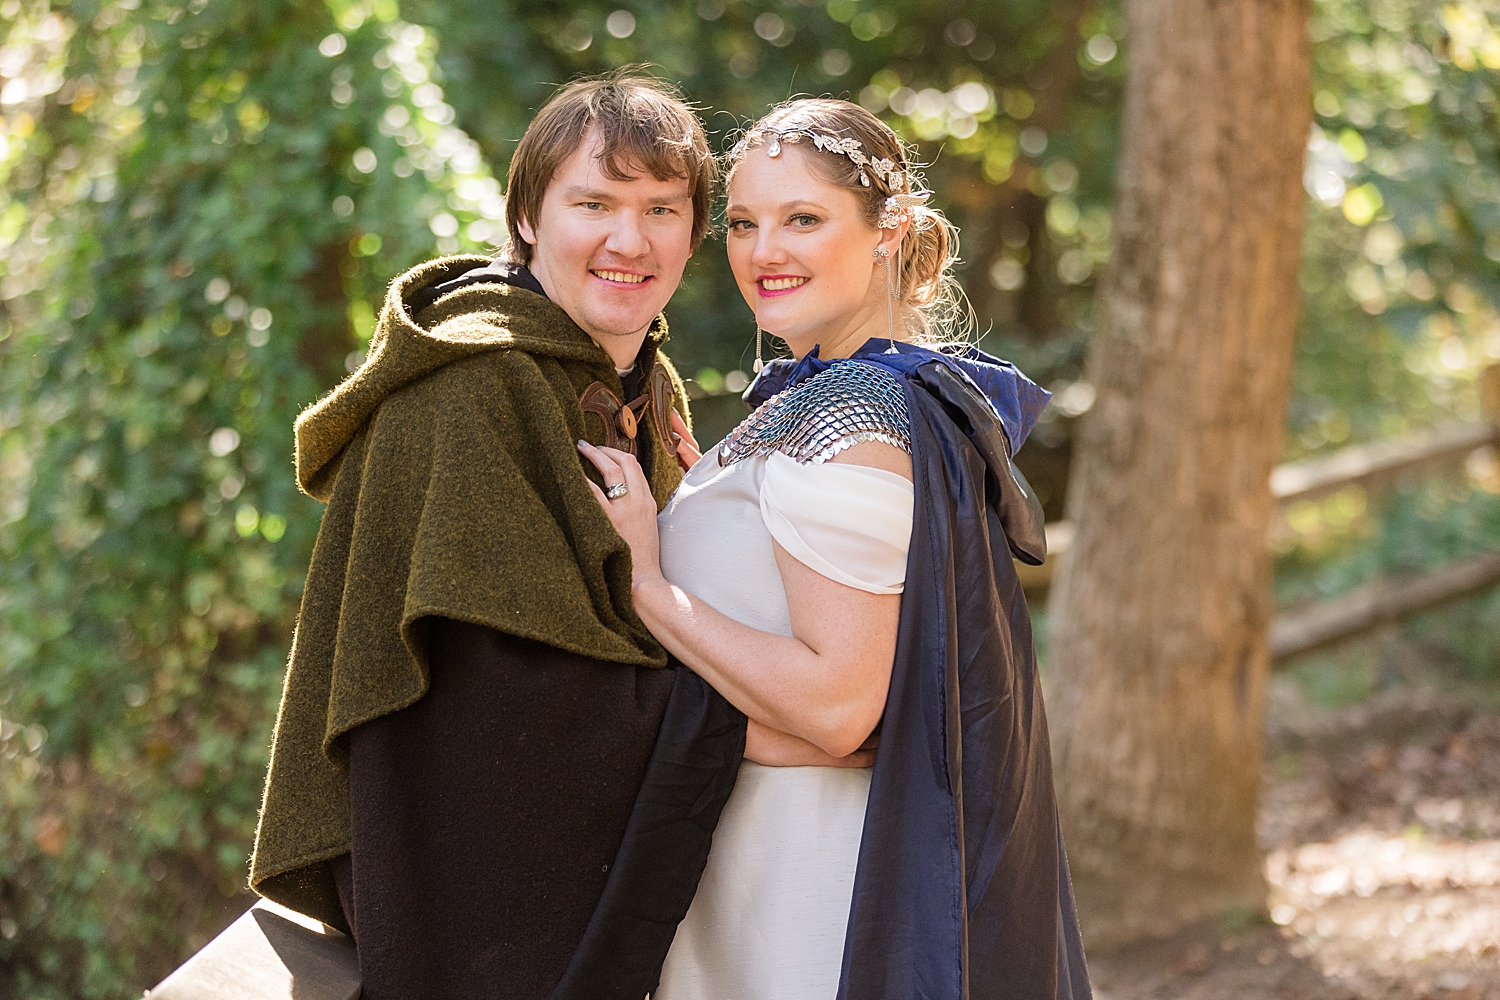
x=962, y=888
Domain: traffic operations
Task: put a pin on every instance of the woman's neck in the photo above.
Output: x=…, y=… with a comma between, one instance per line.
x=842, y=340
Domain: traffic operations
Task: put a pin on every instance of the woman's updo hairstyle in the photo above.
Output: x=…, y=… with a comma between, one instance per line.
x=934, y=307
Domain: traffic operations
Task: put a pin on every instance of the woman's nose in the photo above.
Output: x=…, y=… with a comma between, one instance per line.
x=768, y=250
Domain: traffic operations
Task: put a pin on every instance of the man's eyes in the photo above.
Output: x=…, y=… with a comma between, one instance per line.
x=599, y=206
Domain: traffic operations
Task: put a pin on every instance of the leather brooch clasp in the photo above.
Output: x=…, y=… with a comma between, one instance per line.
x=622, y=420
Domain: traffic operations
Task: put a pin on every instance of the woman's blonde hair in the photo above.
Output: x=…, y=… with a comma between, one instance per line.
x=933, y=305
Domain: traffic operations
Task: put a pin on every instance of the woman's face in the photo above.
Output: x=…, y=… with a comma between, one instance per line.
x=803, y=255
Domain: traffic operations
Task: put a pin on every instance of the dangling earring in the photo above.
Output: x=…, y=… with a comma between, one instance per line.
x=890, y=298
x=899, y=240
x=896, y=211
x=897, y=293
x=759, y=364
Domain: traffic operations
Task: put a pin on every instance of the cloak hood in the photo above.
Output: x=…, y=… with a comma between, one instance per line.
x=471, y=319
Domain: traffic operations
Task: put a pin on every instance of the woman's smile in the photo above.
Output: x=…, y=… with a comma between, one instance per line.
x=772, y=285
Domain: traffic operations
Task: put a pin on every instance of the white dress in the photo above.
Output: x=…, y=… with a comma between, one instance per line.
x=769, y=917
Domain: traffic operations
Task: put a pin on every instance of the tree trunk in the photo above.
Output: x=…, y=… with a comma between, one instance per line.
x=1158, y=653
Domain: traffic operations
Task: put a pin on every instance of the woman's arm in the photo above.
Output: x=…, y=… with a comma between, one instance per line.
x=826, y=683
x=773, y=748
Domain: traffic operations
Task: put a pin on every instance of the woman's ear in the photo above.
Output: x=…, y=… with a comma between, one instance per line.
x=890, y=239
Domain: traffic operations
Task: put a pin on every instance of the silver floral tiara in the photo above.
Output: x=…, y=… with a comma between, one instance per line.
x=886, y=169
x=897, y=207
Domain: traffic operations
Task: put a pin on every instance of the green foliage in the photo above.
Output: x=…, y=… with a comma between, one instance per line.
x=197, y=227
x=1400, y=276
x=1404, y=173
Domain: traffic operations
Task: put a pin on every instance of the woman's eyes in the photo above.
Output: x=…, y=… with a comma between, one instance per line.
x=801, y=220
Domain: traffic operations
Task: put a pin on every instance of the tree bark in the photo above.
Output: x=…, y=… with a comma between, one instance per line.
x=1159, y=616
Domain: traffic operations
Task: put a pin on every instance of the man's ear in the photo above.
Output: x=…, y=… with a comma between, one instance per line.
x=523, y=226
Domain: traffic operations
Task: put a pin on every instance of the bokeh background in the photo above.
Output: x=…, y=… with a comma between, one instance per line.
x=204, y=202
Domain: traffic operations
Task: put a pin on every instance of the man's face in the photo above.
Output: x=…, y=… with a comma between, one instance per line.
x=610, y=253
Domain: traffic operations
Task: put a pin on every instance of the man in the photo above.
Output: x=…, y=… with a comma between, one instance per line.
x=472, y=706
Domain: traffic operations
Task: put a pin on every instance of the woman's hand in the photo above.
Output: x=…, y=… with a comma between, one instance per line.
x=688, y=451
x=632, y=512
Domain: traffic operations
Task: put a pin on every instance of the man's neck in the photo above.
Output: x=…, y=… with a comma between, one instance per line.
x=622, y=349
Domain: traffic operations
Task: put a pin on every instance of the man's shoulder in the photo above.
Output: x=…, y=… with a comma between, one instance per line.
x=509, y=397
x=482, y=407
x=477, y=382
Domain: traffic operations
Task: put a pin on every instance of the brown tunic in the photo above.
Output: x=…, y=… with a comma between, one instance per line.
x=482, y=835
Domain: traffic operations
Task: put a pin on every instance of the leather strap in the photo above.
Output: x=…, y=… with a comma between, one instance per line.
x=663, y=395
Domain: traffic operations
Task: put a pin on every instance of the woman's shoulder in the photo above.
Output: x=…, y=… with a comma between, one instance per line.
x=876, y=455
x=849, y=403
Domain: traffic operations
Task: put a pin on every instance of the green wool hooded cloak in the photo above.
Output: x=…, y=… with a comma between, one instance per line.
x=454, y=487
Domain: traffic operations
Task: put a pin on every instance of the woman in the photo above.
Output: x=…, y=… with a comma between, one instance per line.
x=786, y=572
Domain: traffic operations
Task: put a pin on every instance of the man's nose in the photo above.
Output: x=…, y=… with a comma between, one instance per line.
x=627, y=238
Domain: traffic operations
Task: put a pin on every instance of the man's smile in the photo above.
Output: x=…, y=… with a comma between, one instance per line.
x=620, y=277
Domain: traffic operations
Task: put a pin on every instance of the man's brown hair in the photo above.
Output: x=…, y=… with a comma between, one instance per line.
x=641, y=123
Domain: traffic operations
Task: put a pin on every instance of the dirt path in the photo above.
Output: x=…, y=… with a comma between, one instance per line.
x=1381, y=823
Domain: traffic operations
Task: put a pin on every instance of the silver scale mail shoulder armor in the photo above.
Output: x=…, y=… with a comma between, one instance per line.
x=836, y=409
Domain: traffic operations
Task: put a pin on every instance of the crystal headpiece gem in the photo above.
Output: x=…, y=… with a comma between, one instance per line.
x=882, y=167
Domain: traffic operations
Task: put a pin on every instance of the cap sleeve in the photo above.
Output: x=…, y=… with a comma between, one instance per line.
x=851, y=523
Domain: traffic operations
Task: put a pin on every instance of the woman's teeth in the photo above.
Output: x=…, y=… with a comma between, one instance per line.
x=781, y=284
x=629, y=279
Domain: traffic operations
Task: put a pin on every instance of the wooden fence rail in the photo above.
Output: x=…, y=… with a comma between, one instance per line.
x=1382, y=463
x=1381, y=603
x=1370, y=466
